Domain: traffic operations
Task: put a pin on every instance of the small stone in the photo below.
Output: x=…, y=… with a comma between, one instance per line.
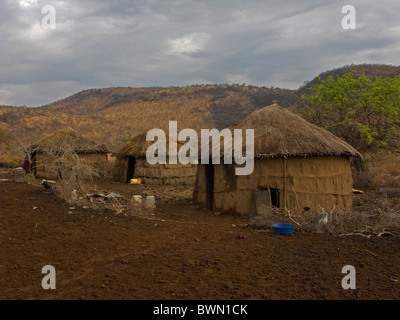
x=228, y=285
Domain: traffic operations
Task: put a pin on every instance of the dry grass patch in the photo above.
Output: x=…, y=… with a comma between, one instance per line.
x=372, y=214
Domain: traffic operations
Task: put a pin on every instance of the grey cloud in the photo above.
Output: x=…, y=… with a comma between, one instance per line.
x=182, y=42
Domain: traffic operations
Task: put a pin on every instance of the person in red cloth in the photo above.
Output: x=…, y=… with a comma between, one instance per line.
x=27, y=165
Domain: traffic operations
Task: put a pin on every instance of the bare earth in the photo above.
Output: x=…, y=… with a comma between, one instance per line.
x=178, y=252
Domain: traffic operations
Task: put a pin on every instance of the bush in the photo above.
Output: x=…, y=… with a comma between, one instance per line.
x=363, y=112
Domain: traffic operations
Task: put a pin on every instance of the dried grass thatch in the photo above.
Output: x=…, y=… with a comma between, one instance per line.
x=68, y=137
x=280, y=133
x=137, y=146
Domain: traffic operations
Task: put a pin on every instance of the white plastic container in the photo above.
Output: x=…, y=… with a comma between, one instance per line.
x=136, y=200
x=74, y=196
x=150, y=201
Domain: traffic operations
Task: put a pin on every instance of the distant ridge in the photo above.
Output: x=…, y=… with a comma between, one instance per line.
x=111, y=116
x=370, y=70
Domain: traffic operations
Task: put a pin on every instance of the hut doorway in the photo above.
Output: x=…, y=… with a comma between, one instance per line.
x=131, y=169
x=274, y=193
x=265, y=199
x=210, y=185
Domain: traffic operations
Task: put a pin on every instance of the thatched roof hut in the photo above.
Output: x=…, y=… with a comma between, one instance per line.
x=296, y=165
x=280, y=133
x=131, y=163
x=44, y=151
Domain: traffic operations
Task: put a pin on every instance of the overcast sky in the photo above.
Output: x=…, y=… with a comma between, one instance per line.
x=142, y=43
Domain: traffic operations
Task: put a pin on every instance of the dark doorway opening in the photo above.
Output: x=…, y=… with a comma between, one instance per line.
x=209, y=168
x=274, y=197
x=131, y=169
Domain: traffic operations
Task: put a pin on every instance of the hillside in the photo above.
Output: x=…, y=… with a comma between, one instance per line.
x=113, y=115
x=370, y=70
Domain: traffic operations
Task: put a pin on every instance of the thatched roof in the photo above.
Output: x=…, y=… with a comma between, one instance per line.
x=68, y=137
x=280, y=133
x=277, y=133
x=137, y=146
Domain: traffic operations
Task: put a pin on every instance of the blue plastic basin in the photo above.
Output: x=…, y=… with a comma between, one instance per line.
x=283, y=228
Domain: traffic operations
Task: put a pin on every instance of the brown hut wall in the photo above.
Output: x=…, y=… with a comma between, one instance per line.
x=314, y=182
x=199, y=191
x=173, y=174
x=43, y=167
x=121, y=169
x=319, y=181
x=97, y=160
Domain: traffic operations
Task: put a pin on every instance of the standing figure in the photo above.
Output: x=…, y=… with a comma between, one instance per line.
x=27, y=165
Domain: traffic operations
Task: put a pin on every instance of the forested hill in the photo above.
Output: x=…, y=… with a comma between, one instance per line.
x=113, y=115
x=370, y=70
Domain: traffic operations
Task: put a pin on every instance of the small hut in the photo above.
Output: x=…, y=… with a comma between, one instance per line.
x=46, y=153
x=131, y=163
x=296, y=165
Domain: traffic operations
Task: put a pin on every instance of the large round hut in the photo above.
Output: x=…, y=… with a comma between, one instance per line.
x=61, y=146
x=131, y=163
x=296, y=165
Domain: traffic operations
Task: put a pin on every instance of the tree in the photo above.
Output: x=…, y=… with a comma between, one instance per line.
x=62, y=160
x=363, y=112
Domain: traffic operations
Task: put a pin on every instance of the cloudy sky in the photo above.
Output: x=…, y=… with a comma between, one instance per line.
x=141, y=43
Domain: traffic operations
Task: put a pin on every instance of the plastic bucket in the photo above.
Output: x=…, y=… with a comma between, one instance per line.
x=283, y=228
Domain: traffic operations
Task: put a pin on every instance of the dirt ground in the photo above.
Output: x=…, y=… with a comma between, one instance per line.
x=175, y=252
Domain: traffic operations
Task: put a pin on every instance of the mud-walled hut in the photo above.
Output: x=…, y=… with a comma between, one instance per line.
x=48, y=153
x=296, y=165
x=131, y=163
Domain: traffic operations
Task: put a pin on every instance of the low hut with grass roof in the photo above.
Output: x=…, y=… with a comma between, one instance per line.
x=131, y=163
x=48, y=152
x=296, y=165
